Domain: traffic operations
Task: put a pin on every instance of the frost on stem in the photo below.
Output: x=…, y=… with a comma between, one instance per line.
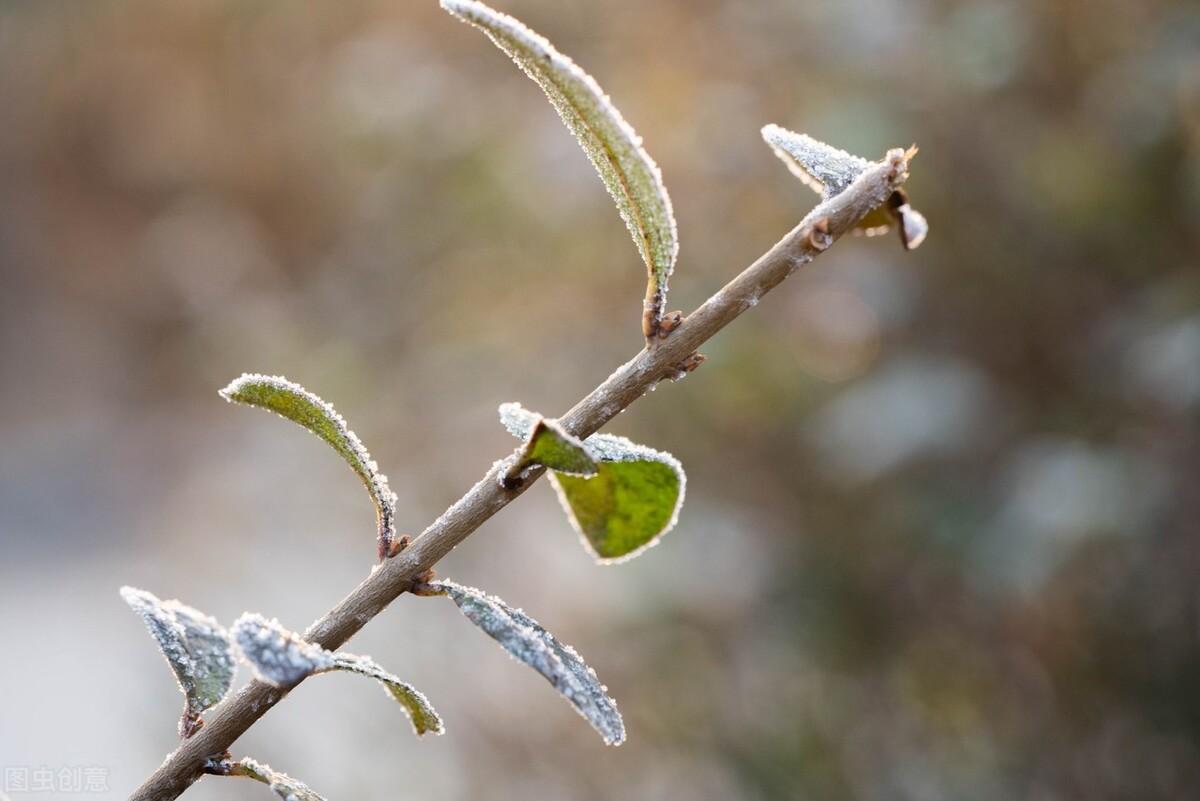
x=196, y=647
x=294, y=402
x=281, y=657
x=631, y=176
x=281, y=784
x=632, y=500
x=528, y=642
x=828, y=171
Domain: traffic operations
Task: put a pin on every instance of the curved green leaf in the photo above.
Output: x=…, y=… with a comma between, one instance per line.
x=196, y=647
x=425, y=719
x=632, y=177
x=632, y=500
x=294, y=402
x=550, y=446
x=281, y=784
x=528, y=642
x=282, y=658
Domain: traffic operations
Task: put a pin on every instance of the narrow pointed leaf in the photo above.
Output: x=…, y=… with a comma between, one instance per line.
x=828, y=171
x=425, y=719
x=550, y=446
x=281, y=784
x=528, y=642
x=281, y=657
x=632, y=177
x=196, y=647
x=297, y=404
x=632, y=500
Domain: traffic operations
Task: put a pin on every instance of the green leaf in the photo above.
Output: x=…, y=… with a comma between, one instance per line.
x=281, y=784
x=283, y=658
x=632, y=500
x=294, y=402
x=196, y=647
x=550, y=446
x=424, y=717
x=828, y=171
x=528, y=642
x=632, y=177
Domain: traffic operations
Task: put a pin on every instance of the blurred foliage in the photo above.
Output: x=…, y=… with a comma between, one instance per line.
x=941, y=540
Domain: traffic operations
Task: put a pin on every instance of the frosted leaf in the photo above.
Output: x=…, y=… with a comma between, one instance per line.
x=828, y=171
x=550, y=446
x=282, y=658
x=196, y=647
x=278, y=656
x=526, y=641
x=632, y=500
x=281, y=784
x=294, y=402
x=632, y=177
x=424, y=717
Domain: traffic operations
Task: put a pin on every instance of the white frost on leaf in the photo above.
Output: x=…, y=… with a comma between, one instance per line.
x=293, y=402
x=631, y=176
x=823, y=168
x=278, y=656
x=633, y=500
x=281, y=784
x=197, y=648
x=425, y=719
x=528, y=642
x=281, y=657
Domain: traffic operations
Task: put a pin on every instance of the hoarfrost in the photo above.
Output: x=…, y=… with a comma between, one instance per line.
x=293, y=402
x=278, y=656
x=425, y=719
x=281, y=784
x=823, y=168
x=528, y=642
x=631, y=176
x=197, y=648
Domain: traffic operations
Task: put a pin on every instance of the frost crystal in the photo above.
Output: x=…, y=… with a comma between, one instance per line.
x=526, y=641
x=196, y=647
x=631, y=176
x=278, y=656
x=823, y=168
x=633, y=499
x=295, y=403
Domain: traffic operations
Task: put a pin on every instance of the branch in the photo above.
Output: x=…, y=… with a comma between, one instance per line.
x=660, y=360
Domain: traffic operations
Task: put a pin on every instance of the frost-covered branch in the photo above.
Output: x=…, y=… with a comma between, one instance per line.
x=668, y=359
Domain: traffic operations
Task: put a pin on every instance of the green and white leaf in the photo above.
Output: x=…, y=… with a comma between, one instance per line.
x=550, y=446
x=631, y=176
x=528, y=642
x=425, y=719
x=632, y=500
x=281, y=657
x=197, y=648
x=281, y=784
x=294, y=402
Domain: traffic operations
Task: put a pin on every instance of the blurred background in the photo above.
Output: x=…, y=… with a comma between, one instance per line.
x=941, y=532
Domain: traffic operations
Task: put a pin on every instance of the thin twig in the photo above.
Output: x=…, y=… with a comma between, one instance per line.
x=660, y=361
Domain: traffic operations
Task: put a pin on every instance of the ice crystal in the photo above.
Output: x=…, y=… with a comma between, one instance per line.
x=823, y=168
x=294, y=402
x=632, y=500
x=631, y=176
x=196, y=647
x=278, y=656
x=528, y=642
